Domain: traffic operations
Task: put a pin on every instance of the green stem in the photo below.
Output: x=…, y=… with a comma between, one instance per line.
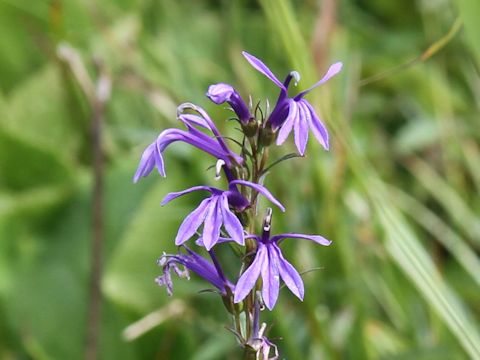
x=249, y=354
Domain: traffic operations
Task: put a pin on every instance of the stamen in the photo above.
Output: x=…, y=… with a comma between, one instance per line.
x=218, y=168
x=250, y=101
x=296, y=76
x=267, y=221
x=267, y=107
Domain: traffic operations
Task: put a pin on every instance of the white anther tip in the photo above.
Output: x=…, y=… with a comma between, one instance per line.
x=296, y=76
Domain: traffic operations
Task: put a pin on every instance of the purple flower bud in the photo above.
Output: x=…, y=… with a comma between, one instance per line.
x=221, y=93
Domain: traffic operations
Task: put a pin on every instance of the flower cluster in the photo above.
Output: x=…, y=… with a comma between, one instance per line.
x=228, y=215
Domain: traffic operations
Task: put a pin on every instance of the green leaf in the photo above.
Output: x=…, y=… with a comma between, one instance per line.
x=470, y=12
x=38, y=112
x=24, y=166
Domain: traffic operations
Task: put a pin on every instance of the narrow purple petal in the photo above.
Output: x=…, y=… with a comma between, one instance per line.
x=147, y=162
x=262, y=190
x=220, y=240
x=211, y=125
x=261, y=67
x=315, y=238
x=205, y=269
x=213, y=222
x=191, y=119
x=174, y=195
x=288, y=124
x=211, y=146
x=249, y=277
x=301, y=130
x=290, y=276
x=271, y=279
x=316, y=125
x=159, y=162
x=230, y=221
x=192, y=222
x=193, y=137
x=332, y=71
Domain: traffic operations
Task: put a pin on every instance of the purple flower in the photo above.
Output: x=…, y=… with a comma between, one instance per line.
x=215, y=211
x=271, y=265
x=152, y=156
x=295, y=113
x=221, y=93
x=193, y=262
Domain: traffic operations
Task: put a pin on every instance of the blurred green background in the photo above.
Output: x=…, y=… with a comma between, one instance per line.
x=397, y=193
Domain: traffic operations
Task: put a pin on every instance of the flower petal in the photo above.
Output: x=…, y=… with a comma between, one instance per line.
x=193, y=262
x=215, y=147
x=147, y=162
x=249, y=277
x=261, y=67
x=206, y=118
x=174, y=195
x=220, y=240
x=332, y=71
x=262, y=190
x=230, y=221
x=290, y=276
x=319, y=130
x=192, y=222
x=204, y=268
x=191, y=119
x=213, y=222
x=270, y=278
x=288, y=124
x=195, y=138
x=301, y=130
x=315, y=238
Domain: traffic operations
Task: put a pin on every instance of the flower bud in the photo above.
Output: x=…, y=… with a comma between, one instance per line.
x=221, y=93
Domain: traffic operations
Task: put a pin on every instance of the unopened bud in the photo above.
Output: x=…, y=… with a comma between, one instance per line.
x=267, y=135
x=250, y=128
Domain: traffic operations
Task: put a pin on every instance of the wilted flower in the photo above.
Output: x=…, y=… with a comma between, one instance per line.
x=193, y=262
x=215, y=211
x=263, y=346
x=271, y=265
x=295, y=113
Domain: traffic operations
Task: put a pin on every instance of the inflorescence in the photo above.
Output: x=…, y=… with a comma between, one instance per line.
x=228, y=215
